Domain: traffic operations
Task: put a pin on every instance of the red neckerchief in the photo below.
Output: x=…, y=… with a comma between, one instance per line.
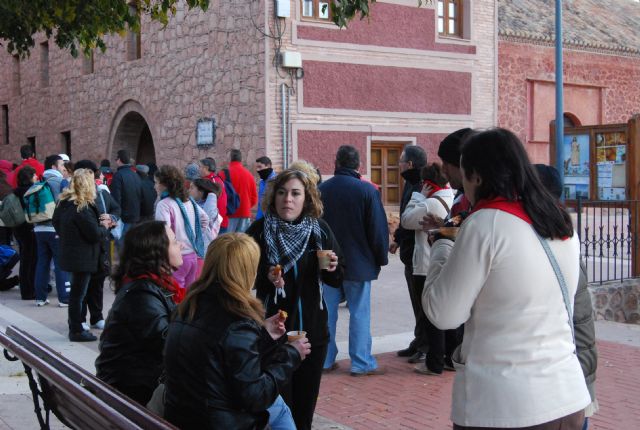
x=434, y=187
x=166, y=282
x=514, y=208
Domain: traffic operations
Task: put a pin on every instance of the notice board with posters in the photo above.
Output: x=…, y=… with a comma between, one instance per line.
x=599, y=161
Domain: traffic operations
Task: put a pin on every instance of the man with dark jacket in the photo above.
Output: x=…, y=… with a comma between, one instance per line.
x=354, y=211
x=412, y=159
x=149, y=195
x=126, y=189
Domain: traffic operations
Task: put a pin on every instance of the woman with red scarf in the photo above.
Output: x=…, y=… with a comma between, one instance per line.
x=510, y=277
x=131, y=345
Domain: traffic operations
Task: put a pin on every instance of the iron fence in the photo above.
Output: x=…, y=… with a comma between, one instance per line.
x=608, y=232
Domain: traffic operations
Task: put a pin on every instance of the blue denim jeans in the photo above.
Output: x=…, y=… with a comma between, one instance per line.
x=238, y=225
x=280, y=416
x=358, y=296
x=47, y=245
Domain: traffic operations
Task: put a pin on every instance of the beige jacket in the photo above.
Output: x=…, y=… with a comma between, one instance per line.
x=419, y=206
x=516, y=366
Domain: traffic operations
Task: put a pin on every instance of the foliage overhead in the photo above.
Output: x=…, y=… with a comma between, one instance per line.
x=344, y=11
x=77, y=24
x=80, y=25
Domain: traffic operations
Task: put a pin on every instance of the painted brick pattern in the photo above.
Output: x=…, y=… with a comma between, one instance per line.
x=404, y=399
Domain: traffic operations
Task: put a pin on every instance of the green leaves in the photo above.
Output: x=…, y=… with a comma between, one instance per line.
x=77, y=24
x=344, y=11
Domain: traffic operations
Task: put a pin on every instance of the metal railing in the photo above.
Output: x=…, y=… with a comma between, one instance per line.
x=608, y=232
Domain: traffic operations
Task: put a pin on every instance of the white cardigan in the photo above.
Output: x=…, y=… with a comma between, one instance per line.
x=516, y=366
x=419, y=206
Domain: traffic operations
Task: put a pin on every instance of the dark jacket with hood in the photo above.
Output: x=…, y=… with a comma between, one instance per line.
x=81, y=236
x=126, y=188
x=133, y=339
x=222, y=370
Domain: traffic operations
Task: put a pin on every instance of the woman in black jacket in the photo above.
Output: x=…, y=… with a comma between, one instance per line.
x=289, y=277
x=134, y=335
x=77, y=222
x=223, y=361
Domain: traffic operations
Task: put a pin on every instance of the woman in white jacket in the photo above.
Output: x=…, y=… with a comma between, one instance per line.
x=517, y=365
x=435, y=199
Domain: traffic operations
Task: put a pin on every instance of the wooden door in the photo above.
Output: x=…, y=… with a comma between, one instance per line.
x=385, y=171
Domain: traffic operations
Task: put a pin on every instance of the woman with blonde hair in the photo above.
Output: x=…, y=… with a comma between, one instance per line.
x=77, y=222
x=223, y=362
x=290, y=277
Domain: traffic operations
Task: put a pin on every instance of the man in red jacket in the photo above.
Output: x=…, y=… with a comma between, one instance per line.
x=245, y=185
x=26, y=152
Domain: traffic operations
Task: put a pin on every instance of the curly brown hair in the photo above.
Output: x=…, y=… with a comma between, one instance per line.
x=173, y=179
x=433, y=173
x=312, y=203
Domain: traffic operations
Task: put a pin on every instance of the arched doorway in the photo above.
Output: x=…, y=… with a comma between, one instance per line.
x=130, y=130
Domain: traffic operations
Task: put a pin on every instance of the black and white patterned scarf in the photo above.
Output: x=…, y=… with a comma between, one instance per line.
x=286, y=241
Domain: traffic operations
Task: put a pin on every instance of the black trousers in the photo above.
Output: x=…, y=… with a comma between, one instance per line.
x=93, y=299
x=301, y=394
x=415, y=284
x=28, y=256
x=79, y=286
x=441, y=345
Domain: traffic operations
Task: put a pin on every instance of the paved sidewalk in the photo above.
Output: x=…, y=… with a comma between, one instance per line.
x=402, y=399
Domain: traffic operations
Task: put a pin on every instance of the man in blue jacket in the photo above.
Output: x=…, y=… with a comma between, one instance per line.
x=126, y=190
x=354, y=211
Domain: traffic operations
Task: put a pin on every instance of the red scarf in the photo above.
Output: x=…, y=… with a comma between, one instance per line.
x=166, y=282
x=514, y=208
x=434, y=187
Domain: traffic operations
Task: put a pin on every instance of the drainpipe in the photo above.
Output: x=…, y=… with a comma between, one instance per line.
x=559, y=94
x=283, y=109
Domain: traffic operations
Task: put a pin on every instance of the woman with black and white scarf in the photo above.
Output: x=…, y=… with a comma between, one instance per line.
x=289, y=277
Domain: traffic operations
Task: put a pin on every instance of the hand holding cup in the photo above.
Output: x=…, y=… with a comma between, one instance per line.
x=298, y=339
x=327, y=260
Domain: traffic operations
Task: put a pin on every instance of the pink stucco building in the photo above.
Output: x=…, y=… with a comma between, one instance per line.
x=407, y=75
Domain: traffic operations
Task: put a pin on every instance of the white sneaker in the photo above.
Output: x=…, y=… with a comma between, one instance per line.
x=63, y=305
x=40, y=303
x=99, y=325
x=85, y=326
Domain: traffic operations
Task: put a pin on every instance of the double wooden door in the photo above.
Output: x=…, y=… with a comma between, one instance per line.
x=385, y=171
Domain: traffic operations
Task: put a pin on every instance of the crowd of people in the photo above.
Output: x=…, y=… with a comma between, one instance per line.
x=490, y=258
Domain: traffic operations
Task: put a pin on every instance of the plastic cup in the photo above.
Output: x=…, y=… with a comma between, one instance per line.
x=295, y=335
x=324, y=258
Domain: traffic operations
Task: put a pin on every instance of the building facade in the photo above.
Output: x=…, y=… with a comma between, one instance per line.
x=601, y=66
x=406, y=75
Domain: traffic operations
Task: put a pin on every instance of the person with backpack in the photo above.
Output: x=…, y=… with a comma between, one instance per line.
x=10, y=210
x=208, y=171
x=245, y=185
x=188, y=221
x=47, y=239
x=25, y=237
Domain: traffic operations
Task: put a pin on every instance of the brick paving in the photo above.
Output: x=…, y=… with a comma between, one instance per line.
x=402, y=399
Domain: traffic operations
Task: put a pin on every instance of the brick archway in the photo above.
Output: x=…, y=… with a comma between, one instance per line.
x=130, y=130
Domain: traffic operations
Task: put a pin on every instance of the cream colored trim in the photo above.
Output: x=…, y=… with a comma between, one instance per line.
x=426, y=4
x=371, y=48
x=378, y=128
x=423, y=62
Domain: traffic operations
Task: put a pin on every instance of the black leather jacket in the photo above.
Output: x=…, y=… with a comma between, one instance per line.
x=134, y=335
x=222, y=371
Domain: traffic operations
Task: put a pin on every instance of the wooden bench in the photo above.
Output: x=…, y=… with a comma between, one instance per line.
x=76, y=397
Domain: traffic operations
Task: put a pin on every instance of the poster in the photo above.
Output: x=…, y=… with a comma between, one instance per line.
x=576, y=166
x=611, y=162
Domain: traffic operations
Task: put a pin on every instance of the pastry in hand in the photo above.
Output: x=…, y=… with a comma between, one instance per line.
x=277, y=270
x=282, y=314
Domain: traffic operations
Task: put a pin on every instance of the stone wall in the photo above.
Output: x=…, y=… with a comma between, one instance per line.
x=617, y=301
x=202, y=64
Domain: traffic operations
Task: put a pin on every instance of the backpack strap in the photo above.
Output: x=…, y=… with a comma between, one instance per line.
x=441, y=200
x=227, y=174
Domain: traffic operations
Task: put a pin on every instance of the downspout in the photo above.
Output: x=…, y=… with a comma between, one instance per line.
x=283, y=109
x=559, y=96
